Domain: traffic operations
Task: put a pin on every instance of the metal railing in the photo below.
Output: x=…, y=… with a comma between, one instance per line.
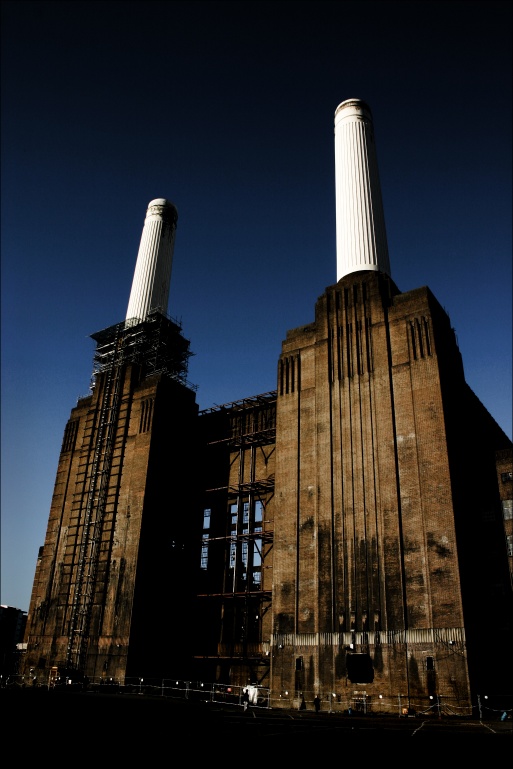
x=486, y=708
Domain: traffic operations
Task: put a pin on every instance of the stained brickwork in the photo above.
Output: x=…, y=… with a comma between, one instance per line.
x=347, y=532
x=371, y=436
x=117, y=536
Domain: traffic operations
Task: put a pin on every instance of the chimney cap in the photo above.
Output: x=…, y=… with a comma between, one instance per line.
x=161, y=202
x=357, y=106
x=162, y=207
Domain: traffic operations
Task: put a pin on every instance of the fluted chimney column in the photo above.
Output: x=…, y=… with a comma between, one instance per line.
x=360, y=222
x=152, y=277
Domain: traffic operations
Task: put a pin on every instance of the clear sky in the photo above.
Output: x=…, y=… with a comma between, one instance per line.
x=226, y=108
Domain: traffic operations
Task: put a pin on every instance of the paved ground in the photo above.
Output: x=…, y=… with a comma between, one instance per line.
x=119, y=726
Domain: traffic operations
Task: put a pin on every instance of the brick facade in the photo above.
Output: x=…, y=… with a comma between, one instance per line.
x=345, y=535
x=373, y=418
x=117, y=537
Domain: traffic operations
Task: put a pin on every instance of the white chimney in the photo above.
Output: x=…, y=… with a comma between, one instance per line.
x=150, y=286
x=361, y=234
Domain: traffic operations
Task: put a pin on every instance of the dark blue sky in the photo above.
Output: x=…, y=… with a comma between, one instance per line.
x=227, y=110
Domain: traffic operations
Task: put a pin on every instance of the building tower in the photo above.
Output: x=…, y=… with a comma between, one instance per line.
x=388, y=540
x=117, y=537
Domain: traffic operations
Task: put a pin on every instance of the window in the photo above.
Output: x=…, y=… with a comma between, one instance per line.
x=233, y=554
x=204, y=553
x=507, y=509
x=507, y=477
x=245, y=519
x=245, y=554
x=205, y=536
x=257, y=564
x=257, y=556
x=258, y=516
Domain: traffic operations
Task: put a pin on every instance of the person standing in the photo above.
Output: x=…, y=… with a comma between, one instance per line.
x=317, y=703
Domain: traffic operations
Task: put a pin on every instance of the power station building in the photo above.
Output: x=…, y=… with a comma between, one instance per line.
x=345, y=535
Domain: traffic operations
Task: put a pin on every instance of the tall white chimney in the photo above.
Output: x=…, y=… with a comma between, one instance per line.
x=150, y=286
x=361, y=234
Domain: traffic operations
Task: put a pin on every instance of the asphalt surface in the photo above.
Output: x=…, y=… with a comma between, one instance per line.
x=119, y=726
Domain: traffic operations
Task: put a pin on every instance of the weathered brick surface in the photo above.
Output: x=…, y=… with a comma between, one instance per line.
x=385, y=526
x=143, y=516
x=366, y=537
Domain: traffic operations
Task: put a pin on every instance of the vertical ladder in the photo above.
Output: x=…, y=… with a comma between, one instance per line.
x=90, y=544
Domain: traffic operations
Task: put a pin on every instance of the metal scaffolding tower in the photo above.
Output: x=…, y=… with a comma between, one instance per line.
x=243, y=535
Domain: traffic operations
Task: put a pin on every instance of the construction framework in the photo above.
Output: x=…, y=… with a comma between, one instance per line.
x=156, y=342
x=238, y=535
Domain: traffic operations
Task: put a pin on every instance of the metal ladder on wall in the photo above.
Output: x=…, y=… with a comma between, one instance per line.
x=93, y=515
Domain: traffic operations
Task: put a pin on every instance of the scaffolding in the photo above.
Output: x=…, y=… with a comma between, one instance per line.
x=156, y=343
x=245, y=428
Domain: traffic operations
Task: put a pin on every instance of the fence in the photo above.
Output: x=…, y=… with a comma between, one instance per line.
x=486, y=707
